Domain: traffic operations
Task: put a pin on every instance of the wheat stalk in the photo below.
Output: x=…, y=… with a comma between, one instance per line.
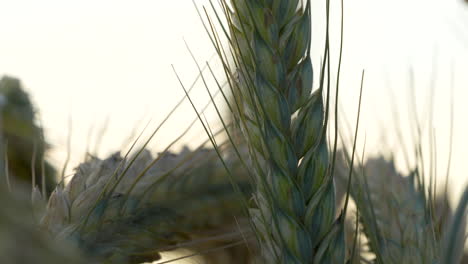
x=271, y=80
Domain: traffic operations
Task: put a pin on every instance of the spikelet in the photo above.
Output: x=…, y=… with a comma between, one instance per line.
x=283, y=125
x=176, y=200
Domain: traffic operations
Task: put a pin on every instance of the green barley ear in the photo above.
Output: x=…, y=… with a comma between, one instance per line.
x=283, y=124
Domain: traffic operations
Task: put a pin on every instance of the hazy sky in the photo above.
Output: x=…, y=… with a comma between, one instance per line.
x=99, y=60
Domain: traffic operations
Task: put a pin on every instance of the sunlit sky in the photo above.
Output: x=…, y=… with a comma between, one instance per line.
x=92, y=61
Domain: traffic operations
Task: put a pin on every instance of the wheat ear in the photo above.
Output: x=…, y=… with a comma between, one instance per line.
x=395, y=213
x=150, y=209
x=400, y=208
x=272, y=80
